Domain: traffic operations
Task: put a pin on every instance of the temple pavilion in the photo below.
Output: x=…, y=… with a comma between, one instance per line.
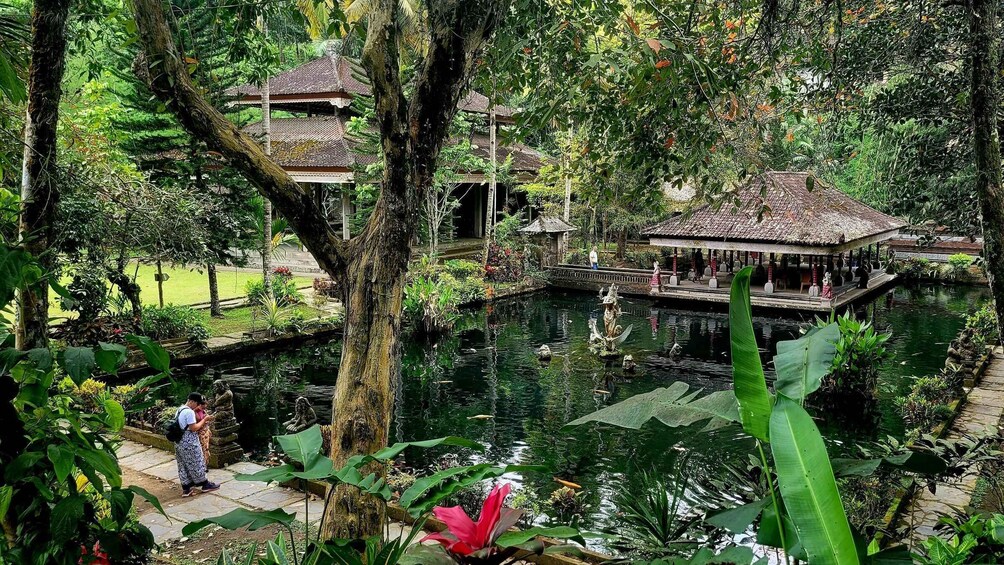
x=310, y=142
x=812, y=248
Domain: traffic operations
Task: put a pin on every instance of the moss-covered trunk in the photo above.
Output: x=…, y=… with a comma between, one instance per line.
x=984, y=52
x=39, y=177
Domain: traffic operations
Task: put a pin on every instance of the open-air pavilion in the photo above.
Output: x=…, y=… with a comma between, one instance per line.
x=812, y=247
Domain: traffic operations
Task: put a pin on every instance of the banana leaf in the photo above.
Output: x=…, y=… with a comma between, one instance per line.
x=747, y=371
x=674, y=406
x=802, y=363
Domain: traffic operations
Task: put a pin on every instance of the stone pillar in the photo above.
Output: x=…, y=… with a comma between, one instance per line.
x=814, y=289
x=346, y=213
x=713, y=282
x=674, y=280
x=769, y=287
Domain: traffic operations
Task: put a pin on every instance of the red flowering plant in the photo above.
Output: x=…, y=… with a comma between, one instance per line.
x=504, y=264
x=489, y=540
x=98, y=557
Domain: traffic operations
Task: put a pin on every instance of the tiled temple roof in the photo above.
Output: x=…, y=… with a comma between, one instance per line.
x=793, y=215
x=547, y=224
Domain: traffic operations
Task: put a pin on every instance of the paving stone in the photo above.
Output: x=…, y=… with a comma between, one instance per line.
x=163, y=529
x=275, y=497
x=983, y=409
x=201, y=506
x=245, y=467
x=990, y=398
x=216, y=342
x=237, y=490
x=146, y=459
x=167, y=471
x=300, y=509
x=220, y=476
x=127, y=448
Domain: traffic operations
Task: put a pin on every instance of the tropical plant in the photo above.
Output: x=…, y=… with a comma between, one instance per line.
x=984, y=323
x=307, y=462
x=915, y=269
x=273, y=313
x=803, y=513
x=860, y=352
x=971, y=539
x=958, y=266
x=927, y=403
x=283, y=290
x=431, y=308
x=172, y=322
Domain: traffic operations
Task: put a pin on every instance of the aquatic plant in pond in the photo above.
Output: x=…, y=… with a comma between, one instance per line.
x=860, y=353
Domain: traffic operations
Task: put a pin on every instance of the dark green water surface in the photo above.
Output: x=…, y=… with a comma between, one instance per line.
x=489, y=367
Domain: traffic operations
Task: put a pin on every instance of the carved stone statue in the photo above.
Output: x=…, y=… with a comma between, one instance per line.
x=963, y=352
x=629, y=364
x=544, y=354
x=303, y=416
x=605, y=343
x=223, y=446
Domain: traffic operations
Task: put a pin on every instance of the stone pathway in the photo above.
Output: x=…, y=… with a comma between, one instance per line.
x=152, y=462
x=982, y=411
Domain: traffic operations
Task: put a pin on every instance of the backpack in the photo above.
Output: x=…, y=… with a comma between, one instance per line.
x=173, y=429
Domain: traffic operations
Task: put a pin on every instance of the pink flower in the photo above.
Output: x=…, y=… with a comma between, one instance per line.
x=100, y=557
x=463, y=536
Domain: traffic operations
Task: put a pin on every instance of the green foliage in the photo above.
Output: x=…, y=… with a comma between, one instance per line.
x=747, y=372
x=283, y=289
x=984, y=323
x=915, y=269
x=173, y=322
x=971, y=539
x=958, y=266
x=860, y=353
x=927, y=403
x=88, y=292
x=674, y=406
x=66, y=488
x=431, y=308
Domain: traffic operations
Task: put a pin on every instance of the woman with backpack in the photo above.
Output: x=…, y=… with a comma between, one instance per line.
x=184, y=432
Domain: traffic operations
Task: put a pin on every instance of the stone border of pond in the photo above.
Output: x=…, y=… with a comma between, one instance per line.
x=394, y=512
x=904, y=496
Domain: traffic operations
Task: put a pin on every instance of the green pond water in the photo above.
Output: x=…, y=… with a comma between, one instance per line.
x=489, y=367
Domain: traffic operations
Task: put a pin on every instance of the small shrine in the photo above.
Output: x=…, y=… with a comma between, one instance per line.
x=548, y=233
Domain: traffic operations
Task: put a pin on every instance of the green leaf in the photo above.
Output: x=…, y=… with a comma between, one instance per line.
x=303, y=447
x=846, y=467
x=18, y=469
x=802, y=363
x=241, y=517
x=8, y=358
x=153, y=500
x=41, y=358
x=390, y=452
x=116, y=414
x=747, y=371
x=426, y=492
x=6, y=493
x=224, y=558
x=674, y=406
x=156, y=356
x=120, y=501
x=110, y=356
x=78, y=362
x=510, y=539
x=62, y=460
x=103, y=463
x=705, y=556
x=738, y=519
x=275, y=552
x=807, y=486
x=66, y=516
x=420, y=554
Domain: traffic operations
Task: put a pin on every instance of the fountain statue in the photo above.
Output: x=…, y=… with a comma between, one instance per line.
x=223, y=447
x=303, y=417
x=605, y=344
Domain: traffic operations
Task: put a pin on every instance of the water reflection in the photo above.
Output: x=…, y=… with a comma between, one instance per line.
x=490, y=368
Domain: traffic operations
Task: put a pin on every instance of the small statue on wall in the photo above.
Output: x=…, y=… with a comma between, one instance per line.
x=303, y=416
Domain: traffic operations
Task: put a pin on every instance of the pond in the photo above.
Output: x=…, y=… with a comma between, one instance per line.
x=489, y=368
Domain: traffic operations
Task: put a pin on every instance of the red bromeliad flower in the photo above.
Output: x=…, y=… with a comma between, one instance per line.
x=465, y=537
x=99, y=558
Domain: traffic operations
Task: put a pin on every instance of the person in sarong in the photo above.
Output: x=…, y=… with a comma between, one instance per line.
x=188, y=451
x=205, y=432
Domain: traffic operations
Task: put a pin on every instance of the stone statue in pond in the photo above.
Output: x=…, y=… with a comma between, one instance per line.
x=223, y=404
x=223, y=446
x=605, y=343
x=303, y=416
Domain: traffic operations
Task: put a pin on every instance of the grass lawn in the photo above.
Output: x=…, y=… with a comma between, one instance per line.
x=187, y=286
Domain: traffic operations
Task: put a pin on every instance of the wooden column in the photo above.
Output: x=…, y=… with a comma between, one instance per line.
x=675, y=250
x=346, y=215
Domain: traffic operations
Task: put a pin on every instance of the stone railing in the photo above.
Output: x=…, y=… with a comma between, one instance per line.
x=575, y=276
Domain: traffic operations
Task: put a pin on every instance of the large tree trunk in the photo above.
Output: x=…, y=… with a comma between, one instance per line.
x=371, y=267
x=39, y=190
x=984, y=33
x=214, y=291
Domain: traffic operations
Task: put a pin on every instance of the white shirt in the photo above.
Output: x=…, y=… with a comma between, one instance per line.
x=594, y=257
x=186, y=417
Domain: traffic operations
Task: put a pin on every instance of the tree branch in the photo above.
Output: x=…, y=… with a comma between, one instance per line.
x=163, y=69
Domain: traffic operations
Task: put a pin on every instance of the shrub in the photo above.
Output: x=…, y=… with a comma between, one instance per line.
x=984, y=323
x=462, y=268
x=432, y=309
x=283, y=289
x=577, y=257
x=958, y=266
x=324, y=286
x=504, y=264
x=916, y=268
x=89, y=292
x=927, y=404
x=860, y=353
x=467, y=290
x=172, y=322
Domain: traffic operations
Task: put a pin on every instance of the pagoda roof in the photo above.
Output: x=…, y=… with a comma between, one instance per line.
x=547, y=224
x=780, y=211
x=337, y=79
x=321, y=142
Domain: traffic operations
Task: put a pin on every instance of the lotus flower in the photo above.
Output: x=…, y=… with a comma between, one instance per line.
x=465, y=537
